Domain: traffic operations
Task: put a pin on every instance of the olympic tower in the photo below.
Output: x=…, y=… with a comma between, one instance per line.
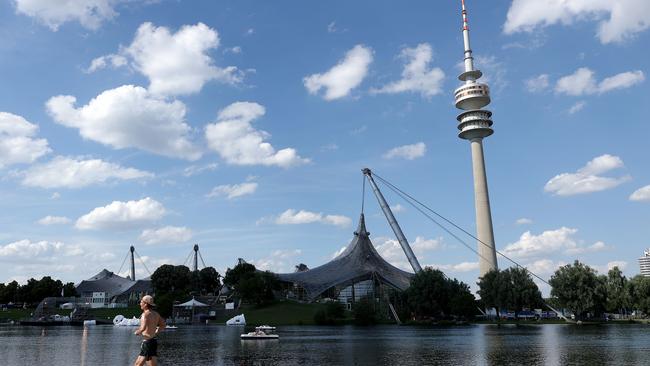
x=474, y=124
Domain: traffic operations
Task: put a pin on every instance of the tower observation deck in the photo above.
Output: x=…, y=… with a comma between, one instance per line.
x=475, y=124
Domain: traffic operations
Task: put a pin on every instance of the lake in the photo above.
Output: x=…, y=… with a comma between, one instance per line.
x=550, y=344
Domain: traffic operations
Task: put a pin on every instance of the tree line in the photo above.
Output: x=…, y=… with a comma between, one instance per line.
x=34, y=291
x=575, y=287
x=171, y=283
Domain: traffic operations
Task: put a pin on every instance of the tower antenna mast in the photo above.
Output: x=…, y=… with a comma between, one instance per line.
x=475, y=124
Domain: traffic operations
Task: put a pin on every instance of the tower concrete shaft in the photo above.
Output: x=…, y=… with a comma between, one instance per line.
x=487, y=254
x=196, y=258
x=132, y=249
x=475, y=124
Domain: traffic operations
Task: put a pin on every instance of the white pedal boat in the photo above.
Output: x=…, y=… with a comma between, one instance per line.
x=258, y=334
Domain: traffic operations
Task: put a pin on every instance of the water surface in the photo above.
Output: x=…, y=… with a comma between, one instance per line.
x=550, y=344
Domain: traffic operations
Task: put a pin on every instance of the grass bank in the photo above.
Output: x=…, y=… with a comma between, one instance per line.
x=279, y=313
x=14, y=314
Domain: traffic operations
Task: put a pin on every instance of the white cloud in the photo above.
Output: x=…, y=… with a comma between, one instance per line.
x=408, y=152
x=620, y=264
x=544, y=267
x=397, y=208
x=178, y=63
x=129, y=116
x=65, y=172
x=113, y=61
x=618, y=19
x=587, y=179
x=342, y=78
x=583, y=82
x=17, y=144
x=417, y=76
x=595, y=247
x=279, y=261
x=197, y=169
x=122, y=215
x=579, y=83
x=236, y=141
x=641, y=194
x=550, y=242
x=537, y=84
x=167, y=234
x=524, y=221
x=234, y=50
x=293, y=217
x=392, y=252
x=460, y=267
x=621, y=81
x=54, y=220
x=337, y=220
x=233, y=190
x=494, y=71
x=577, y=107
x=53, y=13
x=42, y=250
x=421, y=245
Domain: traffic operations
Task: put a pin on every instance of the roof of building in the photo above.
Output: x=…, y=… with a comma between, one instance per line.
x=113, y=284
x=358, y=262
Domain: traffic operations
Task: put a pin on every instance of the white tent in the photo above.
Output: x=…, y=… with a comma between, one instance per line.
x=191, y=304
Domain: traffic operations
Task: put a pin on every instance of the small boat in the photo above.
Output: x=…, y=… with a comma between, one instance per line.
x=90, y=322
x=172, y=327
x=265, y=327
x=237, y=320
x=258, y=334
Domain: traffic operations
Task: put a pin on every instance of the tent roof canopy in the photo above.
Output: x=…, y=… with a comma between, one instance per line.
x=192, y=303
x=359, y=261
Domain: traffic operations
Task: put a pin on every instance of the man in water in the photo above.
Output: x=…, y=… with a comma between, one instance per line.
x=151, y=323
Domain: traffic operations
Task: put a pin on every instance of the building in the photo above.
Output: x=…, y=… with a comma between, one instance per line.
x=107, y=289
x=357, y=272
x=644, y=263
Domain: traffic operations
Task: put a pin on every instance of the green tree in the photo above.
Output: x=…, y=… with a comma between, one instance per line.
x=234, y=275
x=209, y=280
x=578, y=288
x=168, y=278
x=495, y=290
x=432, y=294
x=10, y=292
x=618, y=291
x=462, y=302
x=524, y=292
x=428, y=293
x=70, y=290
x=639, y=290
x=364, y=312
x=258, y=287
x=332, y=313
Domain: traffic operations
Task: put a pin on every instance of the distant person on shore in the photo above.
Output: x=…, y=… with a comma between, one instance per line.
x=151, y=323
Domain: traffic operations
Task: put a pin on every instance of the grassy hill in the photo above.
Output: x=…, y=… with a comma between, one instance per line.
x=279, y=313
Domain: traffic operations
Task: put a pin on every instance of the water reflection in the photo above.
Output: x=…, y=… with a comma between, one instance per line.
x=84, y=346
x=382, y=345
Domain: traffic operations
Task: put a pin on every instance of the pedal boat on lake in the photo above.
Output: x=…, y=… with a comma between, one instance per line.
x=259, y=334
x=265, y=328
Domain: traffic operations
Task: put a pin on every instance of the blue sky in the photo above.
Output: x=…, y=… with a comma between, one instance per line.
x=244, y=126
